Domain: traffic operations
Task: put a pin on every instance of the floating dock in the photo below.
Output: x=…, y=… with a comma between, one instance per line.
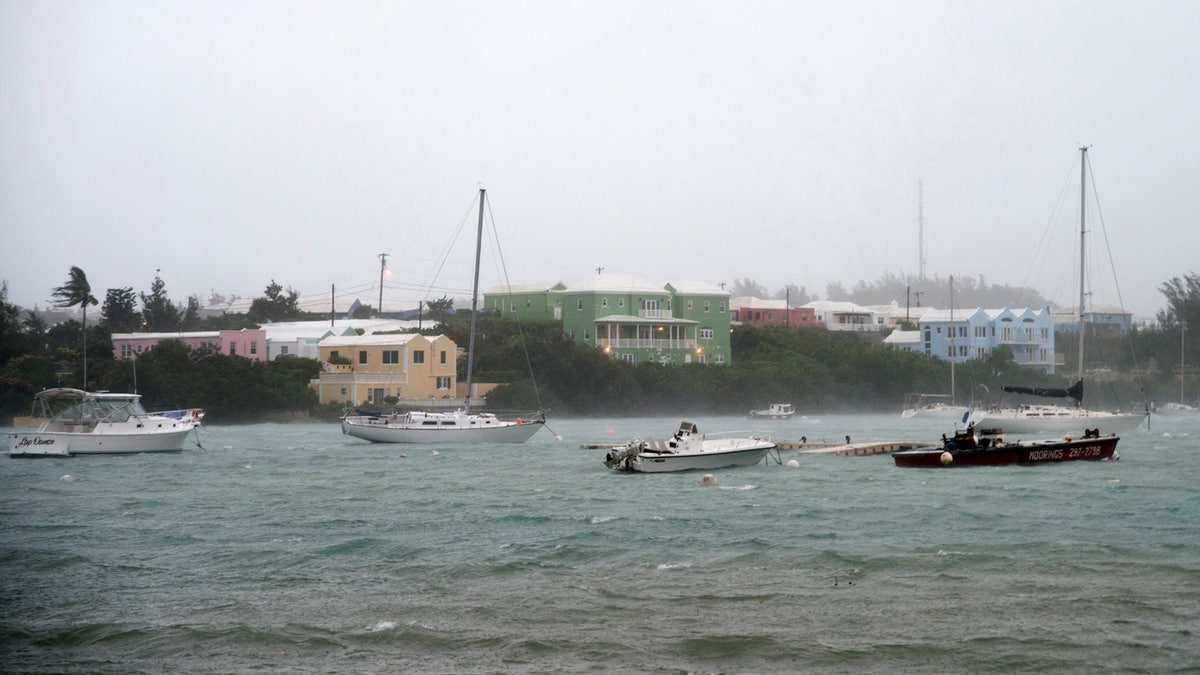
x=840, y=449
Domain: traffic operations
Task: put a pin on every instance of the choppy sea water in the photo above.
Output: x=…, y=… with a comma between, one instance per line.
x=294, y=548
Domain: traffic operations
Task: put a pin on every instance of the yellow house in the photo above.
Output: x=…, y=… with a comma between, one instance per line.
x=368, y=368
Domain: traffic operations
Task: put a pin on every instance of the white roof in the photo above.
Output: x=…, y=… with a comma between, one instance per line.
x=903, y=337
x=523, y=288
x=366, y=340
x=944, y=315
x=745, y=301
x=617, y=283
x=838, y=307
x=688, y=287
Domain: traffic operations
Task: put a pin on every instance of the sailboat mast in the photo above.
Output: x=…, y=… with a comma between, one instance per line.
x=474, y=299
x=1082, y=233
x=953, y=328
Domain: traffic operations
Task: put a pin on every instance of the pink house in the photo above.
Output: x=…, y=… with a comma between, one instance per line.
x=248, y=342
x=759, y=312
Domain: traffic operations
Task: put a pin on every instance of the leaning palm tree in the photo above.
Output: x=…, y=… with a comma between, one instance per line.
x=77, y=292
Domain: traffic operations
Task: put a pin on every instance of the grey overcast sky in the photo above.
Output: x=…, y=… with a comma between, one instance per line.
x=229, y=143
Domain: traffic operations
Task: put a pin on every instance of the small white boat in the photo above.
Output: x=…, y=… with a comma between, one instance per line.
x=1176, y=410
x=101, y=423
x=932, y=406
x=688, y=449
x=775, y=411
x=458, y=426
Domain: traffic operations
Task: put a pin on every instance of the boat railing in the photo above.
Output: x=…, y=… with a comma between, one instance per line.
x=736, y=435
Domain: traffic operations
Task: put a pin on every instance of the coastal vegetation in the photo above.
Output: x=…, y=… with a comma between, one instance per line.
x=817, y=370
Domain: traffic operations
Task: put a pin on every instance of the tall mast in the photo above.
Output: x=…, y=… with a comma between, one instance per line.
x=474, y=299
x=953, y=328
x=1082, y=233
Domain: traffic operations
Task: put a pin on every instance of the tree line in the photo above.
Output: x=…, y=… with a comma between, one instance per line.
x=818, y=370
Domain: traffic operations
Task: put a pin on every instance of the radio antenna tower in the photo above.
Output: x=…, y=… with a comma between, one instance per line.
x=921, y=232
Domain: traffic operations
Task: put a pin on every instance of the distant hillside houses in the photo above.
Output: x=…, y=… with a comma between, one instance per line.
x=629, y=318
x=964, y=334
x=271, y=341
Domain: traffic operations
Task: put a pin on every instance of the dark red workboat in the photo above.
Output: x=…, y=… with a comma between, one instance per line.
x=989, y=448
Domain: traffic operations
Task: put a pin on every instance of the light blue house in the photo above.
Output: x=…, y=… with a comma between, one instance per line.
x=965, y=334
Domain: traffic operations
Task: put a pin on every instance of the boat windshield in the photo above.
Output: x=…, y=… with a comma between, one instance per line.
x=91, y=411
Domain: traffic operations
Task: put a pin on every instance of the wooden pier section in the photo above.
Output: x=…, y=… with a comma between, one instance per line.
x=840, y=449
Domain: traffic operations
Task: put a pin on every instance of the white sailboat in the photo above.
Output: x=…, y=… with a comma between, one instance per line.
x=1061, y=419
x=1180, y=409
x=459, y=426
x=937, y=406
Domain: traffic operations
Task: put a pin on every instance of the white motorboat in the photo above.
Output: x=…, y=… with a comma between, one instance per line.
x=775, y=411
x=459, y=426
x=688, y=449
x=101, y=423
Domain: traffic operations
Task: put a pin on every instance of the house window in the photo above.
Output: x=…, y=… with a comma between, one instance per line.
x=722, y=306
x=253, y=346
x=443, y=356
x=391, y=357
x=512, y=306
x=719, y=358
x=620, y=302
x=126, y=351
x=587, y=335
x=626, y=357
x=362, y=356
x=233, y=349
x=689, y=304
x=418, y=356
x=579, y=304
x=283, y=350
x=706, y=305
x=528, y=303
x=443, y=382
x=332, y=354
x=604, y=302
x=706, y=333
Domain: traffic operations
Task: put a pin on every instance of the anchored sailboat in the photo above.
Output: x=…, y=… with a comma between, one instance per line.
x=459, y=426
x=1059, y=418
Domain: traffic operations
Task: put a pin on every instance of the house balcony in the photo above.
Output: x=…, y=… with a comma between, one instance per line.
x=350, y=377
x=647, y=343
x=655, y=314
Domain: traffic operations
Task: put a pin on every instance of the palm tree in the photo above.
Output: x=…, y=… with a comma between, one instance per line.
x=77, y=292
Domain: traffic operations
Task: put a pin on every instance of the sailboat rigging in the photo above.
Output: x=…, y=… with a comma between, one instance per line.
x=1059, y=418
x=459, y=426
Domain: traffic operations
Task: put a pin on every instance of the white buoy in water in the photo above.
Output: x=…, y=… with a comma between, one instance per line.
x=67, y=478
x=708, y=480
x=947, y=459
x=793, y=464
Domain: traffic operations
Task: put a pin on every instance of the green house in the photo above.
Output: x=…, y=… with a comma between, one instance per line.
x=630, y=318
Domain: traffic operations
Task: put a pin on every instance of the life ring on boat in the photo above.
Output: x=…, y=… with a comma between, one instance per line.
x=518, y=420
